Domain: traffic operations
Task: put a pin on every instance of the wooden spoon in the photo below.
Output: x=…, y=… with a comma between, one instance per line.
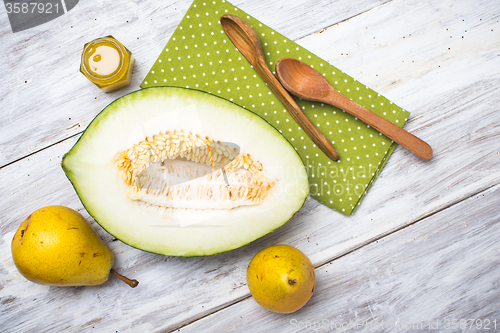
x=305, y=82
x=248, y=43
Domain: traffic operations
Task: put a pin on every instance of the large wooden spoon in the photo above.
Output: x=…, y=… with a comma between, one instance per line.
x=248, y=43
x=305, y=82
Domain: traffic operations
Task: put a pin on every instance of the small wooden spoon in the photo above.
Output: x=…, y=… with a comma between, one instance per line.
x=305, y=82
x=248, y=43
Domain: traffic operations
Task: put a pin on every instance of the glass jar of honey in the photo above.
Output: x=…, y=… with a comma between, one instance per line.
x=107, y=63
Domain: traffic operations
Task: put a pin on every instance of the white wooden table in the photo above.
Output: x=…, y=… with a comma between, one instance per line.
x=422, y=252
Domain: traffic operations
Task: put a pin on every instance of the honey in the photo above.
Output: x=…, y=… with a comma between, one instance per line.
x=107, y=63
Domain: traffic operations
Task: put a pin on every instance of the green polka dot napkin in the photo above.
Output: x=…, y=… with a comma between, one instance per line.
x=200, y=56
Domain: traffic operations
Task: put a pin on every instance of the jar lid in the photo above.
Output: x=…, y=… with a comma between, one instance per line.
x=108, y=48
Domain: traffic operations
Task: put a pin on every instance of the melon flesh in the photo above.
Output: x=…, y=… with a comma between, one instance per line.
x=181, y=172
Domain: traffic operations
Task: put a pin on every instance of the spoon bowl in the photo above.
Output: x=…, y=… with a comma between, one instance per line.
x=303, y=81
x=244, y=37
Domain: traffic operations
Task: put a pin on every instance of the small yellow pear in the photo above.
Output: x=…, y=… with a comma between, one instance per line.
x=281, y=278
x=56, y=246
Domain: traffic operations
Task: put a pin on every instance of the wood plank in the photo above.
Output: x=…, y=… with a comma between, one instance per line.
x=45, y=100
x=437, y=275
x=176, y=291
x=455, y=45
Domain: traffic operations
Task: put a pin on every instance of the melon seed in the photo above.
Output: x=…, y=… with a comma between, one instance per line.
x=232, y=180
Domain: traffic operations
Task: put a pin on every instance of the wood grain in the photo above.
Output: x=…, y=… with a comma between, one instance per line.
x=418, y=279
x=452, y=95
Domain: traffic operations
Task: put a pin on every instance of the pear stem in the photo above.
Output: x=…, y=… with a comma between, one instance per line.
x=131, y=283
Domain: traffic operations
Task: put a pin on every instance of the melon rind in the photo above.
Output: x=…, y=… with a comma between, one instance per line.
x=90, y=167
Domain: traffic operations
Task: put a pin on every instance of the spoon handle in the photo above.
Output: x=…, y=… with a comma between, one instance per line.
x=316, y=136
x=246, y=40
x=393, y=132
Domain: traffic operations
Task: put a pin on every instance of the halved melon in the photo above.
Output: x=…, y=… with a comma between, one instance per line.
x=181, y=172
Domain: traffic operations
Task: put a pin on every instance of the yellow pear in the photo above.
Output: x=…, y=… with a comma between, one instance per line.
x=56, y=246
x=281, y=278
